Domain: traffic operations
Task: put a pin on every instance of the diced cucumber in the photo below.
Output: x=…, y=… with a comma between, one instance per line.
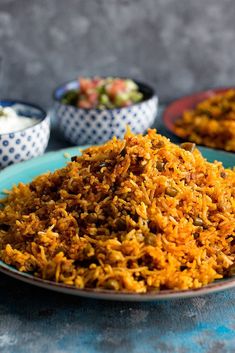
x=104, y=99
x=121, y=98
x=131, y=85
x=136, y=96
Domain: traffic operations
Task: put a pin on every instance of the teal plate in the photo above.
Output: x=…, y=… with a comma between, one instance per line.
x=26, y=171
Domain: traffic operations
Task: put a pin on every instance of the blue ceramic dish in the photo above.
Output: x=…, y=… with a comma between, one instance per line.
x=95, y=126
x=26, y=171
x=27, y=143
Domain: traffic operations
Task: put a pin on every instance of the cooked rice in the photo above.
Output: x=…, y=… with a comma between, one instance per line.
x=211, y=123
x=137, y=215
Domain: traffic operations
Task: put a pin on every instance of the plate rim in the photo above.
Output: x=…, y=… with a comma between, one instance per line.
x=103, y=294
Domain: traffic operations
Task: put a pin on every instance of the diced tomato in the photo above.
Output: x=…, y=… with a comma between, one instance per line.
x=84, y=104
x=116, y=87
x=93, y=98
x=96, y=81
x=126, y=103
x=85, y=84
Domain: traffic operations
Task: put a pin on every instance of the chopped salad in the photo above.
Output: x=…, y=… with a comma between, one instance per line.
x=103, y=93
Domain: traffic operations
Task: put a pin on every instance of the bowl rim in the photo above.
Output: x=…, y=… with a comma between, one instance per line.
x=139, y=83
x=45, y=115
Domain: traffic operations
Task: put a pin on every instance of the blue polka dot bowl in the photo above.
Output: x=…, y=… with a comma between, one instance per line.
x=95, y=126
x=27, y=143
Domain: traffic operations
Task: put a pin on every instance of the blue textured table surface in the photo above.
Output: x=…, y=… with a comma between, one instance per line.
x=34, y=320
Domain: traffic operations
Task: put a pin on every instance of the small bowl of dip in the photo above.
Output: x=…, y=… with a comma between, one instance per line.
x=24, y=131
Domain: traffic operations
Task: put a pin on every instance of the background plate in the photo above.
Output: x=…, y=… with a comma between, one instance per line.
x=26, y=171
x=175, y=109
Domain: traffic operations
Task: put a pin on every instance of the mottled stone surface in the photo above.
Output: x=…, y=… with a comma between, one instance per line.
x=177, y=46
x=33, y=320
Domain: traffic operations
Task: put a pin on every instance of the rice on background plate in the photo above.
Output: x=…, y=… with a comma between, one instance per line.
x=211, y=123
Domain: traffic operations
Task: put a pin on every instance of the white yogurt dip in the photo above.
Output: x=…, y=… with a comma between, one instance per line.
x=11, y=122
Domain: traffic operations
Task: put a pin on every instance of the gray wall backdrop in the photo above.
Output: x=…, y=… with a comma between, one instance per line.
x=178, y=46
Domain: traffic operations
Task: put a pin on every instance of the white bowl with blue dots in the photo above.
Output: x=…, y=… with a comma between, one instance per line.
x=27, y=143
x=96, y=126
